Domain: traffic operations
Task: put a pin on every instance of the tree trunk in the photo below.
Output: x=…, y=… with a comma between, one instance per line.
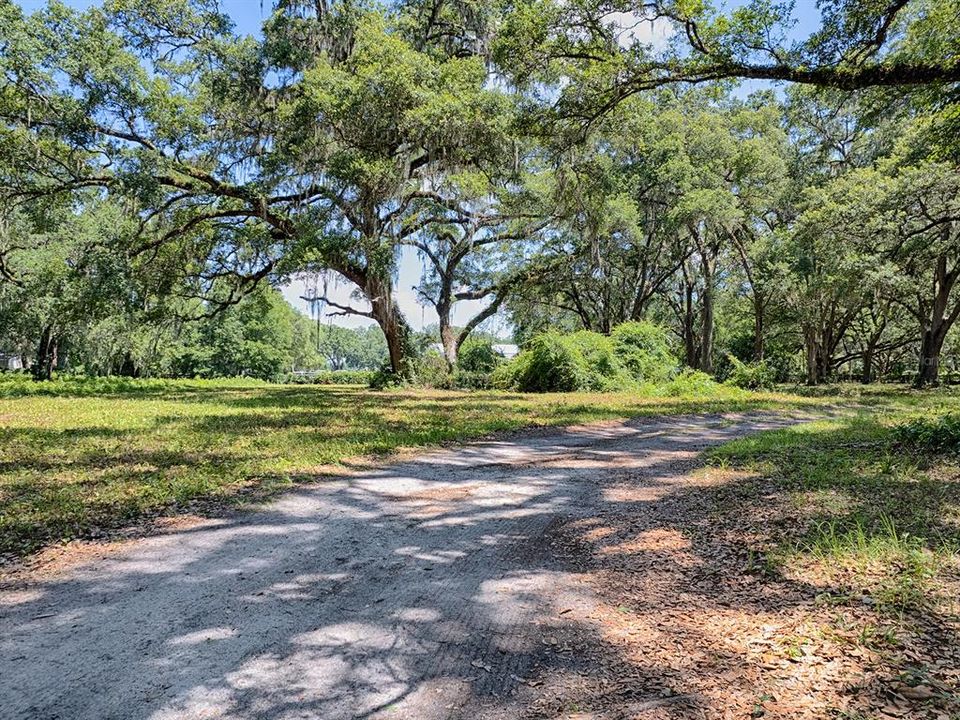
x=824, y=364
x=878, y=326
x=474, y=322
x=811, y=346
x=128, y=367
x=759, y=331
x=930, y=347
x=706, y=338
x=937, y=322
x=444, y=308
x=449, y=340
x=866, y=374
x=689, y=340
x=395, y=328
x=46, y=355
x=756, y=297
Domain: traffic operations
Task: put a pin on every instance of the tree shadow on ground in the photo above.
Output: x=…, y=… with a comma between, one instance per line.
x=197, y=446
x=694, y=577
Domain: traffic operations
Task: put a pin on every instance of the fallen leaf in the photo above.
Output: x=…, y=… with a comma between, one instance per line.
x=920, y=692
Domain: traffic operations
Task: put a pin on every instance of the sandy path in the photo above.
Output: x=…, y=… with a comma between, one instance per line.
x=427, y=589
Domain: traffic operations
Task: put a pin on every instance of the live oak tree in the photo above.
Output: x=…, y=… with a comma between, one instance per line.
x=401, y=120
x=897, y=223
x=261, y=336
x=63, y=270
x=833, y=281
x=252, y=159
x=827, y=287
x=604, y=256
x=729, y=173
x=915, y=214
x=611, y=247
x=650, y=210
x=351, y=348
x=470, y=249
x=607, y=51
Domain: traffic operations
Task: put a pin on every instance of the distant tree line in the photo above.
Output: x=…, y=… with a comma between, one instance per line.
x=260, y=336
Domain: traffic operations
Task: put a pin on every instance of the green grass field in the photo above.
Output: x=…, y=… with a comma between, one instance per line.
x=858, y=508
x=82, y=458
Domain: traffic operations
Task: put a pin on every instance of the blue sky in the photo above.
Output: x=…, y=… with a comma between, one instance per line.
x=248, y=16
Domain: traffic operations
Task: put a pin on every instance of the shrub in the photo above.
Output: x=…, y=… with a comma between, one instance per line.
x=343, y=377
x=21, y=385
x=549, y=364
x=431, y=371
x=505, y=376
x=477, y=355
x=908, y=376
x=950, y=377
x=297, y=379
x=385, y=378
x=329, y=377
x=750, y=376
x=644, y=350
x=565, y=363
x=634, y=353
x=603, y=365
x=691, y=382
x=939, y=434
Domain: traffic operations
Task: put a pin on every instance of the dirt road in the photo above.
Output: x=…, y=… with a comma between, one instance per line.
x=427, y=589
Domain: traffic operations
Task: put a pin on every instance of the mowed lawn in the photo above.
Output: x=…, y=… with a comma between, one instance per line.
x=79, y=459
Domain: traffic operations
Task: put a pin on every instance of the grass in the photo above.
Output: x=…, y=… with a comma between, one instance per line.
x=868, y=514
x=80, y=458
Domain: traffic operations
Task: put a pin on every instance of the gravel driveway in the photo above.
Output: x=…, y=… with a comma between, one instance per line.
x=426, y=589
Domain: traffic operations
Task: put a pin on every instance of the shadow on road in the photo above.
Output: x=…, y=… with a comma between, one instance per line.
x=438, y=588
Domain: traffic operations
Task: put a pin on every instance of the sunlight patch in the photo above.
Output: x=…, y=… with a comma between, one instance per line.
x=202, y=636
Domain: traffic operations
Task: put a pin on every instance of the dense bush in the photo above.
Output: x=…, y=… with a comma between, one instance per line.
x=331, y=377
x=940, y=434
x=431, y=371
x=20, y=384
x=691, y=382
x=344, y=377
x=635, y=353
x=750, y=376
x=564, y=363
x=644, y=349
x=477, y=355
x=385, y=378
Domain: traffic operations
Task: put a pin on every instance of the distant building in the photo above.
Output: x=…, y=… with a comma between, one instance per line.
x=10, y=362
